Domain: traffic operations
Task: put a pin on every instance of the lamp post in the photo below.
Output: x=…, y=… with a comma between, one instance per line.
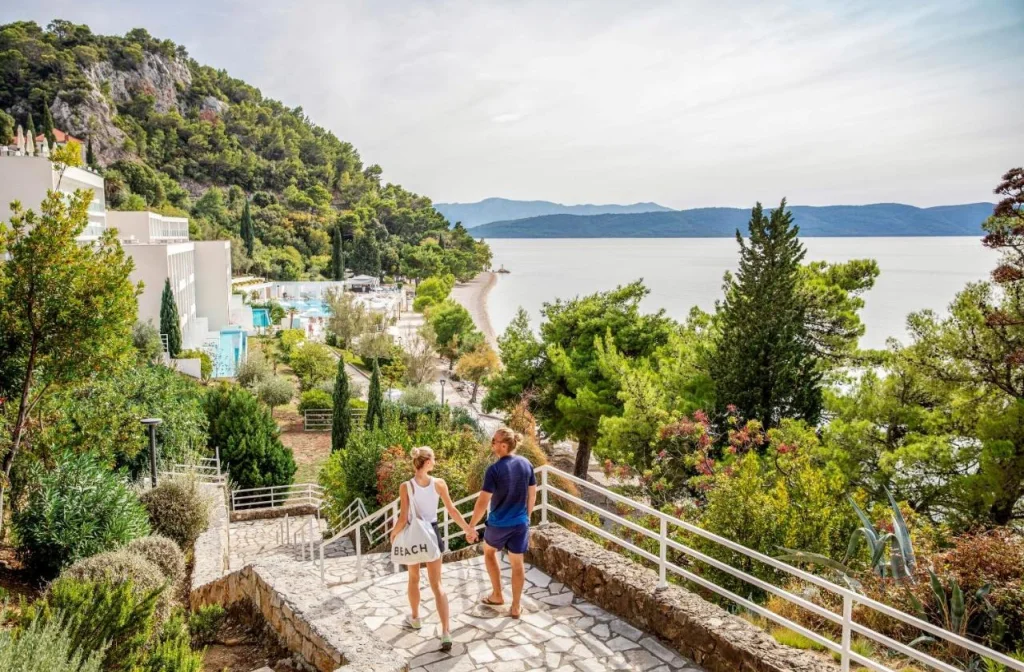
x=151, y=424
x=443, y=381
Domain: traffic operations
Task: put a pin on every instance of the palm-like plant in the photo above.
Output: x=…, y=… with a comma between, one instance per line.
x=898, y=564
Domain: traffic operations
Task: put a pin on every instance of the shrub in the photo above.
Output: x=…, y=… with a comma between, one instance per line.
x=114, y=618
x=288, y=339
x=248, y=439
x=315, y=400
x=275, y=391
x=418, y=396
x=172, y=650
x=205, y=622
x=45, y=646
x=313, y=363
x=124, y=567
x=178, y=510
x=421, y=303
x=146, y=339
x=75, y=509
x=205, y=361
x=163, y=553
x=254, y=370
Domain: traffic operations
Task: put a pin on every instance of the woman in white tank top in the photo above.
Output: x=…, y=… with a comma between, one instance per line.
x=427, y=492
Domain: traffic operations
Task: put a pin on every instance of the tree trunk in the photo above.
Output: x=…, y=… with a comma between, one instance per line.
x=472, y=398
x=582, y=458
x=19, y=425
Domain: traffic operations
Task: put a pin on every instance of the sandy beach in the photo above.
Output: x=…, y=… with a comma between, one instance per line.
x=472, y=296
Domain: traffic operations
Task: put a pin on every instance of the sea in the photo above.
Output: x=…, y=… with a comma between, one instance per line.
x=916, y=273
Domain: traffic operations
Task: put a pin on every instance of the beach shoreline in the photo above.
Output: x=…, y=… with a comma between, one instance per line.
x=472, y=296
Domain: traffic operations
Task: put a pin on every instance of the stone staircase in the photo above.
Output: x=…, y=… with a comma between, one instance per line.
x=557, y=631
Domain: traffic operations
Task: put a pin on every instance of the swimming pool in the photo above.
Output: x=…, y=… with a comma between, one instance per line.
x=261, y=317
x=231, y=350
x=306, y=307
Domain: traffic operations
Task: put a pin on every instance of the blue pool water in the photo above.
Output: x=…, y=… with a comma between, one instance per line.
x=307, y=307
x=232, y=350
x=260, y=317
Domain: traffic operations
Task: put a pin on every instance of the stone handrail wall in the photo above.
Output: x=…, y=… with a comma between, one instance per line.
x=291, y=607
x=704, y=632
x=288, y=601
x=210, y=556
x=296, y=510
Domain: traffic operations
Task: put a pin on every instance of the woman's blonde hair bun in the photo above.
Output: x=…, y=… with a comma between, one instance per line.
x=420, y=455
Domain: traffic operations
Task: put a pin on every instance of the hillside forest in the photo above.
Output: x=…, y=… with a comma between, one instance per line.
x=185, y=139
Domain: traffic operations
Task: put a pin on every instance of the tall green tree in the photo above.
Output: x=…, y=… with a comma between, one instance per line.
x=341, y=424
x=170, y=323
x=68, y=310
x=248, y=438
x=365, y=255
x=248, y=236
x=561, y=373
x=452, y=327
x=337, y=256
x=765, y=364
x=90, y=157
x=48, y=124
x=375, y=400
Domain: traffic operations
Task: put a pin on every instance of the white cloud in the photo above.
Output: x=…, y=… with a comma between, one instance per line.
x=688, y=104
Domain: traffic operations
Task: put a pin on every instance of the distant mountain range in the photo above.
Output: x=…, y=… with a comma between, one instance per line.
x=502, y=209
x=881, y=219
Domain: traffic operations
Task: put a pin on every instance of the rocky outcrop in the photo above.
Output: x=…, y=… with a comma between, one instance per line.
x=699, y=630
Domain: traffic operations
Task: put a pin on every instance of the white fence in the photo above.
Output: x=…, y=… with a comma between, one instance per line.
x=206, y=470
x=377, y=526
x=295, y=494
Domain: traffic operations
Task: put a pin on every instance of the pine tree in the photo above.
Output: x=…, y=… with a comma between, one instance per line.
x=765, y=364
x=342, y=424
x=247, y=232
x=375, y=400
x=365, y=256
x=30, y=132
x=337, y=256
x=48, y=124
x=169, y=320
x=90, y=158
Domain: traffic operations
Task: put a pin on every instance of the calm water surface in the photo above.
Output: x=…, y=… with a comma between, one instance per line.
x=916, y=273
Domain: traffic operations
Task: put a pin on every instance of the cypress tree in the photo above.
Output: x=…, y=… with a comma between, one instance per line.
x=48, y=124
x=342, y=424
x=337, y=256
x=30, y=130
x=375, y=400
x=765, y=364
x=90, y=158
x=247, y=232
x=169, y=323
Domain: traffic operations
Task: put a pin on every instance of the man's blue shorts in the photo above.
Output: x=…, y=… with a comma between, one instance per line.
x=515, y=539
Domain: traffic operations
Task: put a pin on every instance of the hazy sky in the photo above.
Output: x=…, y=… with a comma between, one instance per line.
x=684, y=103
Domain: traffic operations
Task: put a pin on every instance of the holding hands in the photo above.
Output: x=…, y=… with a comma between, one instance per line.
x=472, y=536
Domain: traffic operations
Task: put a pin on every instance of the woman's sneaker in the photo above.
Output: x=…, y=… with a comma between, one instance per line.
x=446, y=642
x=413, y=623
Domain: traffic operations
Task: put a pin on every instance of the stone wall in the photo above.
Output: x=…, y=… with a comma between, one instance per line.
x=706, y=633
x=291, y=604
x=211, y=549
x=288, y=596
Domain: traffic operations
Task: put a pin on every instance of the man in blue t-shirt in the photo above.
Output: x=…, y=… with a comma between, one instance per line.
x=510, y=490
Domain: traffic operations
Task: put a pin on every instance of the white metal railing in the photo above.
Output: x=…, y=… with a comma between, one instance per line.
x=667, y=524
x=295, y=494
x=378, y=525
x=205, y=470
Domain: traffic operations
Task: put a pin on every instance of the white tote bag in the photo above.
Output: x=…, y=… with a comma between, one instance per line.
x=417, y=543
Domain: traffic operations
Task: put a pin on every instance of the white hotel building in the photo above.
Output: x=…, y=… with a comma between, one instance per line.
x=212, y=319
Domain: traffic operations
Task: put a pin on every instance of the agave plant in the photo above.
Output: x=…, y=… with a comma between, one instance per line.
x=899, y=564
x=955, y=611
